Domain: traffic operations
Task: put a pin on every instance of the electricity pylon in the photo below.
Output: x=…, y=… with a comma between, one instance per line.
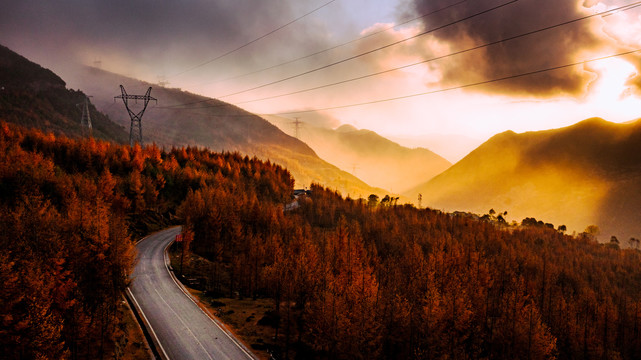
x=297, y=123
x=85, y=120
x=135, y=136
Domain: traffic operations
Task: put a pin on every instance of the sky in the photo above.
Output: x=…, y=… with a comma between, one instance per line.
x=445, y=68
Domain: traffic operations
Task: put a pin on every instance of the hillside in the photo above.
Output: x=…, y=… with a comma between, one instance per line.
x=36, y=97
x=344, y=277
x=70, y=210
x=588, y=173
x=217, y=126
x=396, y=282
x=377, y=160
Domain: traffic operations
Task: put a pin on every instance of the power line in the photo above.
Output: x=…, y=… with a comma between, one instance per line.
x=339, y=45
x=136, y=118
x=252, y=41
x=194, y=111
x=604, y=13
x=458, y=87
x=485, y=82
x=355, y=56
x=370, y=51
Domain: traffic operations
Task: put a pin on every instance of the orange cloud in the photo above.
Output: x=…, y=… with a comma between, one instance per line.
x=568, y=44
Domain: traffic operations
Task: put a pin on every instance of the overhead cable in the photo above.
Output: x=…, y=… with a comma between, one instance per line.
x=604, y=13
x=459, y=86
x=366, y=36
x=355, y=56
x=251, y=42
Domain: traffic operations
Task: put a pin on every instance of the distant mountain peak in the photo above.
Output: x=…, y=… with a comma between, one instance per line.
x=504, y=135
x=346, y=128
x=593, y=120
x=591, y=123
x=586, y=173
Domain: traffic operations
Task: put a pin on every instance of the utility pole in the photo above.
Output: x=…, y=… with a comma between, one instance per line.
x=297, y=125
x=135, y=131
x=85, y=120
x=420, y=198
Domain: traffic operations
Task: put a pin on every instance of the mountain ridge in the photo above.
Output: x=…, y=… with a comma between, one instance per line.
x=37, y=97
x=219, y=126
x=376, y=159
x=584, y=174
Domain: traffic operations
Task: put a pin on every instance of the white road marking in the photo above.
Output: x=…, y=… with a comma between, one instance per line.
x=184, y=324
x=148, y=323
x=182, y=289
x=242, y=348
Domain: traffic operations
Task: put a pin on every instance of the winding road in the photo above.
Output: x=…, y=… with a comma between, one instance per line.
x=178, y=327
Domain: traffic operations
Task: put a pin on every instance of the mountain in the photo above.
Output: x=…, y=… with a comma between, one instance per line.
x=219, y=126
x=33, y=96
x=373, y=158
x=585, y=174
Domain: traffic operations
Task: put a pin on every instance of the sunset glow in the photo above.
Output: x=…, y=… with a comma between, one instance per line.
x=400, y=68
x=320, y=179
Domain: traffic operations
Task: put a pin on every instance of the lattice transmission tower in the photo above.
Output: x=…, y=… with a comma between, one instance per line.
x=85, y=120
x=297, y=123
x=135, y=131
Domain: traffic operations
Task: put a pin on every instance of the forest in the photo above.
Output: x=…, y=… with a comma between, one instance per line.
x=348, y=278
x=354, y=279
x=70, y=211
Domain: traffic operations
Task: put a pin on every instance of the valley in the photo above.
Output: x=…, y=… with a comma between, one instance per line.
x=322, y=179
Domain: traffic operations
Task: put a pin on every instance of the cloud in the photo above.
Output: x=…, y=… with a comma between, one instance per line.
x=568, y=44
x=153, y=36
x=634, y=81
x=146, y=38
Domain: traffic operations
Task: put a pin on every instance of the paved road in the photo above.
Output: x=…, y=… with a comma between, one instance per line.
x=183, y=330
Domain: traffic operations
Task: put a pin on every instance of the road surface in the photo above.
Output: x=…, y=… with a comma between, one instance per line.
x=179, y=327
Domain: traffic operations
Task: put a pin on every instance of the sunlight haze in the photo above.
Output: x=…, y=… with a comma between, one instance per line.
x=320, y=179
x=186, y=47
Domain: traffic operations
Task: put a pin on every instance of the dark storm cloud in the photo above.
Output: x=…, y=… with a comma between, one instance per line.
x=178, y=34
x=547, y=49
